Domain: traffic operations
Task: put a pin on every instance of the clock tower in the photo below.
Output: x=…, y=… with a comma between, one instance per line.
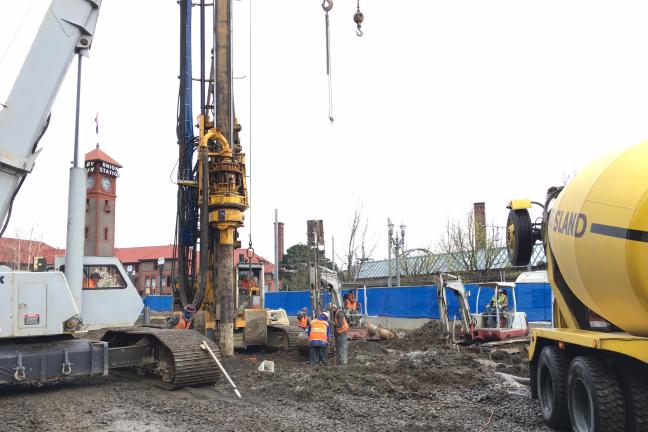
x=101, y=194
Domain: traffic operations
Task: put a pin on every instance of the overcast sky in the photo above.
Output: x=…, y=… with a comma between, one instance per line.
x=439, y=105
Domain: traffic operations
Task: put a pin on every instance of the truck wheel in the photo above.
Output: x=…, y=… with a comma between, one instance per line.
x=519, y=237
x=551, y=383
x=594, y=397
x=635, y=394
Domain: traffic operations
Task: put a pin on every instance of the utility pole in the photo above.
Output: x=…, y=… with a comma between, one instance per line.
x=390, y=232
x=276, y=242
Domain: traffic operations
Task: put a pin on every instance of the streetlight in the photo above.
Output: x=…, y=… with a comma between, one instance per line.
x=398, y=244
x=161, y=267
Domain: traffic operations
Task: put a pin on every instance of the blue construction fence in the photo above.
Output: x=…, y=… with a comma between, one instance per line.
x=420, y=301
x=159, y=303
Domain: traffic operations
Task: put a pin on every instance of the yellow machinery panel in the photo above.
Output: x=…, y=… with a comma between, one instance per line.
x=598, y=231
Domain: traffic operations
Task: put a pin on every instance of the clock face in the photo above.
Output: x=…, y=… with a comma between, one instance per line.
x=90, y=182
x=105, y=183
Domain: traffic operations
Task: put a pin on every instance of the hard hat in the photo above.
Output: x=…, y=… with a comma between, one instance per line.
x=190, y=308
x=326, y=314
x=304, y=309
x=95, y=275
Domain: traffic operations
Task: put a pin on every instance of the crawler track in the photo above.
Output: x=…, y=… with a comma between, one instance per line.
x=292, y=340
x=179, y=359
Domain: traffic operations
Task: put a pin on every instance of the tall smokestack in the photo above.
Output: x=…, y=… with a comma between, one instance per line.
x=281, y=241
x=479, y=216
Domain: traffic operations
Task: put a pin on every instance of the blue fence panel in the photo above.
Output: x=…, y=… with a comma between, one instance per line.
x=535, y=300
x=420, y=301
x=291, y=301
x=160, y=303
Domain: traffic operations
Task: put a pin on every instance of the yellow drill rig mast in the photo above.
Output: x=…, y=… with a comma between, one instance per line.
x=212, y=193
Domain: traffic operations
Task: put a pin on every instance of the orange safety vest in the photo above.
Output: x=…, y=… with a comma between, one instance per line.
x=183, y=323
x=351, y=304
x=318, y=331
x=344, y=328
x=303, y=322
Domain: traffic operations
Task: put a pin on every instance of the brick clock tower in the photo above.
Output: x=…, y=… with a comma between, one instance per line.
x=100, y=203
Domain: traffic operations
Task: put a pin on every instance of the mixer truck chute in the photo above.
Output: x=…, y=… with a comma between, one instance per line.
x=591, y=370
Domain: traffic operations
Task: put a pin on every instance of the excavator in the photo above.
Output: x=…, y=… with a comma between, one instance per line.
x=488, y=329
x=590, y=371
x=42, y=312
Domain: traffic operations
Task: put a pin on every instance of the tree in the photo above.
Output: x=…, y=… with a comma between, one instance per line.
x=27, y=246
x=418, y=264
x=294, y=267
x=358, y=250
x=470, y=247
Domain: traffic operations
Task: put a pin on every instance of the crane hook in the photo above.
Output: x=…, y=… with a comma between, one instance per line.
x=358, y=18
x=327, y=5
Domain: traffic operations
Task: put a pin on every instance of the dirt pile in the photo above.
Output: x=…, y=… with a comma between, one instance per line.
x=410, y=384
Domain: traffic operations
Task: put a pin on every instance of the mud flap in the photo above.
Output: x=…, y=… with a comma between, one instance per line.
x=256, y=327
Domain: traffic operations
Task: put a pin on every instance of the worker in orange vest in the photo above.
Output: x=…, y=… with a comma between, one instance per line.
x=302, y=318
x=352, y=308
x=318, y=332
x=351, y=304
x=186, y=320
x=341, y=338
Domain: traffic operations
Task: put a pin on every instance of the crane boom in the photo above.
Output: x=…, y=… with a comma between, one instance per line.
x=68, y=28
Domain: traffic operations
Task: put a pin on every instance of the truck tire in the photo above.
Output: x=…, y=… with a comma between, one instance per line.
x=519, y=237
x=551, y=383
x=594, y=397
x=634, y=386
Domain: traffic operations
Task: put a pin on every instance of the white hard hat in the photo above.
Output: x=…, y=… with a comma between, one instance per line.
x=327, y=315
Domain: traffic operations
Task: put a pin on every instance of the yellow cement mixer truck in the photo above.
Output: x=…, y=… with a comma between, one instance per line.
x=590, y=371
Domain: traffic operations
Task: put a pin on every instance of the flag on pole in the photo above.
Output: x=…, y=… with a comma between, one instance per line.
x=97, y=123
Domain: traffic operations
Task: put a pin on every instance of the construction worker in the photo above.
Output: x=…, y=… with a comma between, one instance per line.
x=186, y=320
x=341, y=338
x=351, y=304
x=92, y=281
x=318, y=332
x=352, y=308
x=499, y=302
x=302, y=318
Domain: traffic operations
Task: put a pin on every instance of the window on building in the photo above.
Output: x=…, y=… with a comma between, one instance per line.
x=168, y=280
x=102, y=277
x=147, y=282
x=105, y=233
x=86, y=233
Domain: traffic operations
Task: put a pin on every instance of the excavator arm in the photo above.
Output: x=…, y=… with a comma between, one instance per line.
x=455, y=285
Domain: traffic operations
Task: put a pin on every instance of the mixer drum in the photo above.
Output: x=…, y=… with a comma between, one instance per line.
x=598, y=232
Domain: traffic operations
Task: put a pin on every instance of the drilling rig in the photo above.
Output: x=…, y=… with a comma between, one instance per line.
x=212, y=195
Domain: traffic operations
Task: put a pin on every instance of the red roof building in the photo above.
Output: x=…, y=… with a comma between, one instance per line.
x=19, y=254
x=140, y=262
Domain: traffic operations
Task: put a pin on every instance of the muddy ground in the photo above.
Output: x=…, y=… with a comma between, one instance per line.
x=410, y=384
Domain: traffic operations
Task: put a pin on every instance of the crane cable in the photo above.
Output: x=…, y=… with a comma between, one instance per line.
x=327, y=5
